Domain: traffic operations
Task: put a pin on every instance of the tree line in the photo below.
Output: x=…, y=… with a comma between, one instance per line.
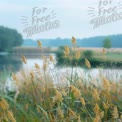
x=9, y=38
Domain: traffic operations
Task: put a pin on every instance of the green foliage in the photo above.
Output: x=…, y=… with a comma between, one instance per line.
x=9, y=38
x=107, y=43
x=61, y=48
x=88, y=54
x=60, y=55
x=112, y=59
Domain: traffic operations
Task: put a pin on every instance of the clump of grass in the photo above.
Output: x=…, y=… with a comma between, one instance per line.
x=6, y=115
x=79, y=101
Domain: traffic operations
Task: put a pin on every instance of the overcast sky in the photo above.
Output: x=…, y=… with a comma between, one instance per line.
x=72, y=15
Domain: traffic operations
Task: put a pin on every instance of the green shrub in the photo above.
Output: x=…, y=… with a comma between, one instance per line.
x=88, y=54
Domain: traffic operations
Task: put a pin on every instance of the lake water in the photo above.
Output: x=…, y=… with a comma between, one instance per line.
x=58, y=74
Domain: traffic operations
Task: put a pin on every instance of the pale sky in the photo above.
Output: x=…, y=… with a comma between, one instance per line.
x=72, y=15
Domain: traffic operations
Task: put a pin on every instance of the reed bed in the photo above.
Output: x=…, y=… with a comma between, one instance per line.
x=38, y=99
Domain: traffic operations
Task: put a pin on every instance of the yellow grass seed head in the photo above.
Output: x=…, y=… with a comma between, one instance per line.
x=79, y=83
x=101, y=114
x=96, y=109
x=105, y=106
x=10, y=116
x=87, y=63
x=82, y=101
x=64, y=92
x=96, y=94
x=24, y=59
x=77, y=55
x=72, y=114
x=32, y=75
x=51, y=58
x=66, y=51
x=58, y=97
x=73, y=40
x=4, y=105
x=76, y=92
x=72, y=88
x=14, y=77
x=37, y=66
x=115, y=113
x=44, y=66
x=60, y=113
x=39, y=44
x=106, y=84
x=79, y=119
x=97, y=119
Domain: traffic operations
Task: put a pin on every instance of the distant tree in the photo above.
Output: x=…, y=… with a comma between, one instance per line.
x=9, y=38
x=107, y=43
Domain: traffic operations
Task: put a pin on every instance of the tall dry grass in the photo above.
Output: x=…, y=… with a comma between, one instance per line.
x=38, y=99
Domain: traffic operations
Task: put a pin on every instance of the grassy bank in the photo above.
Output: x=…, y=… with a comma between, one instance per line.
x=97, y=57
x=32, y=50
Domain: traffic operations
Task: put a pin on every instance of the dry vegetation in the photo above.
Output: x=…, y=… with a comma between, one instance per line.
x=37, y=99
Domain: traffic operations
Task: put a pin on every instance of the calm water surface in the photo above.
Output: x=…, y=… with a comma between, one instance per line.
x=14, y=63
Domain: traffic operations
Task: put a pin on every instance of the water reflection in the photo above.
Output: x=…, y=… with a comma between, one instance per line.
x=13, y=63
x=10, y=63
x=88, y=74
x=58, y=74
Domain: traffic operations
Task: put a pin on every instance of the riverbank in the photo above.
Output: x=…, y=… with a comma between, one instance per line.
x=96, y=56
x=32, y=50
x=111, y=59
